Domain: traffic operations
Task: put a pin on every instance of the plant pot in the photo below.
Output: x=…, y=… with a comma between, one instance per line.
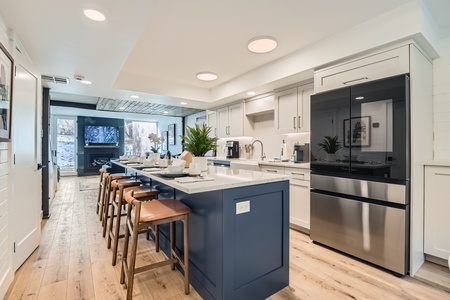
x=331, y=157
x=201, y=161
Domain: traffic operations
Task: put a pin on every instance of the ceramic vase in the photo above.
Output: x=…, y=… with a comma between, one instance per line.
x=201, y=161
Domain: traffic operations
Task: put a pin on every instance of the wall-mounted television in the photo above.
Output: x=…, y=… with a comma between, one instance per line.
x=101, y=134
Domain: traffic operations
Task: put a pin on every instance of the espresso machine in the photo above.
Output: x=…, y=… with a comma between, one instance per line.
x=232, y=149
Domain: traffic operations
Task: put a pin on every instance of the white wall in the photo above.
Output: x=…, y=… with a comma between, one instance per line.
x=441, y=99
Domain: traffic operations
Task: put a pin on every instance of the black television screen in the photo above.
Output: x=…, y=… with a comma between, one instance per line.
x=101, y=134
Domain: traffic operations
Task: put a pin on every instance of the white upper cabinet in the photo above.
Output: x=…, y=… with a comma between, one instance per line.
x=292, y=109
x=375, y=66
x=211, y=121
x=231, y=121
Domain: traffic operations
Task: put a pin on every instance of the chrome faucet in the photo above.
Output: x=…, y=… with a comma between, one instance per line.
x=263, y=155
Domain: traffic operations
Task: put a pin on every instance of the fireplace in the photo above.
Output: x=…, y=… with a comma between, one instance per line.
x=96, y=157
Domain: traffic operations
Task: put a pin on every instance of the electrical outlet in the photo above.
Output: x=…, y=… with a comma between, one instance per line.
x=243, y=207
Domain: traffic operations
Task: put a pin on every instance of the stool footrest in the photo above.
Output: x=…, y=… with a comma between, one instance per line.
x=156, y=265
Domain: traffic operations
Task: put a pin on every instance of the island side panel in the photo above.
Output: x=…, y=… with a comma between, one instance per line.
x=256, y=243
x=205, y=241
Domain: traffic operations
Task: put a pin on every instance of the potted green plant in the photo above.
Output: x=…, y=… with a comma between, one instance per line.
x=198, y=142
x=330, y=145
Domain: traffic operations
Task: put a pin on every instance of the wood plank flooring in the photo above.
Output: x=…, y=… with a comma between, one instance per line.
x=73, y=262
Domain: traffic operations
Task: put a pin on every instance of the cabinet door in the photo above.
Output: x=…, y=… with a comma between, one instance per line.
x=211, y=121
x=437, y=211
x=286, y=111
x=304, y=109
x=299, y=199
x=222, y=122
x=235, y=120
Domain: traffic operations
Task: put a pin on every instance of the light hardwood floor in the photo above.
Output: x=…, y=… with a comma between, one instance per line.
x=73, y=262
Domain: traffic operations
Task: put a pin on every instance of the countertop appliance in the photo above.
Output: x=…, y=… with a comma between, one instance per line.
x=232, y=149
x=360, y=195
x=301, y=153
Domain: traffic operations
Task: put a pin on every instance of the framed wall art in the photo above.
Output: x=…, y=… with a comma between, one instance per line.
x=164, y=146
x=357, y=132
x=171, y=134
x=6, y=82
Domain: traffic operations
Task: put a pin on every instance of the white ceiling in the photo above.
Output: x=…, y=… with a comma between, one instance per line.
x=155, y=48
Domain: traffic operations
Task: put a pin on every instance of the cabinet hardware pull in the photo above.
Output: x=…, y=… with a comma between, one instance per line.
x=294, y=123
x=350, y=81
x=298, y=124
x=272, y=171
x=294, y=173
x=443, y=174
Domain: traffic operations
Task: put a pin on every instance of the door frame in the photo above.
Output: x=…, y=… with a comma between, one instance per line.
x=53, y=142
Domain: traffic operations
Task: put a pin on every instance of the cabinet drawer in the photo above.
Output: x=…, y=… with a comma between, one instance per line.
x=274, y=169
x=376, y=66
x=299, y=174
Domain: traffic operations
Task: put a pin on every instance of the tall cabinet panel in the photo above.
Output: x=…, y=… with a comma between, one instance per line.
x=211, y=120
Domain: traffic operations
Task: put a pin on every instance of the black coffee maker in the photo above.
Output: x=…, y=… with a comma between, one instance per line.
x=232, y=149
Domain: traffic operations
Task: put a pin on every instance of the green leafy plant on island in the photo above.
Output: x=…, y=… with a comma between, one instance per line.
x=330, y=144
x=197, y=140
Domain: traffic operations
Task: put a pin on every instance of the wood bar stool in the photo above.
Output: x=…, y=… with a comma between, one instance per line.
x=142, y=215
x=142, y=193
x=108, y=196
x=107, y=178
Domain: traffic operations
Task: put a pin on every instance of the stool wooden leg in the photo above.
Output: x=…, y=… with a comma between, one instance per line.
x=172, y=243
x=111, y=223
x=100, y=196
x=157, y=238
x=116, y=235
x=132, y=262
x=186, y=254
x=125, y=248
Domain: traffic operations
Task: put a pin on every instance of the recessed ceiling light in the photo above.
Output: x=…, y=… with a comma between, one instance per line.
x=94, y=15
x=251, y=93
x=122, y=108
x=262, y=44
x=359, y=98
x=183, y=103
x=84, y=81
x=166, y=112
x=134, y=96
x=206, y=76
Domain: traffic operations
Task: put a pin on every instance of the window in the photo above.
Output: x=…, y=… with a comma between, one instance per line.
x=136, y=137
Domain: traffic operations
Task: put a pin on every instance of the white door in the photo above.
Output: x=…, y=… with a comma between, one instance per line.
x=26, y=194
x=64, y=141
x=235, y=120
x=286, y=111
x=222, y=122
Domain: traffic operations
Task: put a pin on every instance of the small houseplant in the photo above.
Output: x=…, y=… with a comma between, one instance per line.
x=155, y=140
x=330, y=145
x=198, y=142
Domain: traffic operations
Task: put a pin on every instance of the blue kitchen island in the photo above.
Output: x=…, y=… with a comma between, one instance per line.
x=233, y=253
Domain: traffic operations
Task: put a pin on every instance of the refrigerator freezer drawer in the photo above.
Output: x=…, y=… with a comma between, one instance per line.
x=372, y=232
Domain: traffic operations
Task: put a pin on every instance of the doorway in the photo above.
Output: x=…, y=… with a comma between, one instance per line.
x=64, y=144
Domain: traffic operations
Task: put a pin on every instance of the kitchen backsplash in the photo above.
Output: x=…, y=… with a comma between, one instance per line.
x=264, y=130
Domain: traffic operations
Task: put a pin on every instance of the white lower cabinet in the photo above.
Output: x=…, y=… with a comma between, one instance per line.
x=299, y=184
x=437, y=211
x=299, y=197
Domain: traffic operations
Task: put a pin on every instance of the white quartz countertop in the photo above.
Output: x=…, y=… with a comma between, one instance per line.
x=216, y=178
x=241, y=161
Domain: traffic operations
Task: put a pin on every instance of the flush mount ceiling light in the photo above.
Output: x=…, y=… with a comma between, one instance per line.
x=262, y=44
x=94, y=15
x=82, y=79
x=206, y=76
x=134, y=96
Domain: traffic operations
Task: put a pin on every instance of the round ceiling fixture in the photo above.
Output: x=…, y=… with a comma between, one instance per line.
x=262, y=44
x=206, y=76
x=94, y=15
